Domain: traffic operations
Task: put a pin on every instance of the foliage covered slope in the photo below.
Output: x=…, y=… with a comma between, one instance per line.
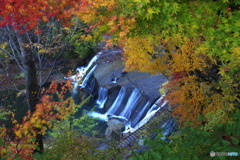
x=194, y=43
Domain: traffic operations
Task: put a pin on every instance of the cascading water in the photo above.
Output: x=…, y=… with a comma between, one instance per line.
x=135, y=118
x=133, y=109
x=132, y=121
x=85, y=80
x=81, y=72
x=102, y=97
x=116, y=104
x=151, y=112
x=131, y=103
x=155, y=107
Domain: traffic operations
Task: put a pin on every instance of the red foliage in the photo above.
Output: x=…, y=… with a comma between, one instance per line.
x=24, y=15
x=179, y=75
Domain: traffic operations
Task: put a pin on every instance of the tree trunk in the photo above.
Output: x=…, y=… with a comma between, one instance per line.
x=31, y=83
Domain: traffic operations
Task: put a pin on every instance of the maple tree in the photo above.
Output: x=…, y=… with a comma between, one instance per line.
x=46, y=114
x=30, y=61
x=193, y=43
x=25, y=15
x=31, y=33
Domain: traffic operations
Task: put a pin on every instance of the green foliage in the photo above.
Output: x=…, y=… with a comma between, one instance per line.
x=4, y=113
x=213, y=119
x=195, y=143
x=86, y=125
x=111, y=153
x=83, y=124
x=79, y=36
x=75, y=139
x=3, y=55
x=71, y=138
x=20, y=75
x=82, y=49
x=69, y=145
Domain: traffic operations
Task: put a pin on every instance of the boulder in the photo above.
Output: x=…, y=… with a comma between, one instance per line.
x=114, y=129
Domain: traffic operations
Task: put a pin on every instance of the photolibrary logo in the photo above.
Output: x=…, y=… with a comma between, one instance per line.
x=212, y=154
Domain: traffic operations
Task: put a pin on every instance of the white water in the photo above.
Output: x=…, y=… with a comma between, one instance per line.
x=93, y=60
x=155, y=108
x=84, y=83
x=116, y=104
x=131, y=125
x=102, y=97
x=98, y=115
x=131, y=103
x=81, y=72
x=132, y=119
x=139, y=116
x=114, y=80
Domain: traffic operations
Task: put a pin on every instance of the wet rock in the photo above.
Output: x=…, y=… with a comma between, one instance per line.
x=169, y=127
x=149, y=84
x=114, y=129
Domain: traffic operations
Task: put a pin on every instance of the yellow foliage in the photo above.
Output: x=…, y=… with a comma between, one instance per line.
x=186, y=59
x=3, y=46
x=235, y=57
x=138, y=53
x=143, y=53
x=163, y=90
x=89, y=13
x=18, y=133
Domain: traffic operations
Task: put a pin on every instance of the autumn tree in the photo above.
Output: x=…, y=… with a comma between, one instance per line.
x=54, y=106
x=193, y=43
x=30, y=34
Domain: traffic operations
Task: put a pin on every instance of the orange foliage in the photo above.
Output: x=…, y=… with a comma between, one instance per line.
x=191, y=99
x=43, y=118
x=186, y=92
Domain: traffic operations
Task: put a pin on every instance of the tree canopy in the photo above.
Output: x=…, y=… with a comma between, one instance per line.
x=194, y=43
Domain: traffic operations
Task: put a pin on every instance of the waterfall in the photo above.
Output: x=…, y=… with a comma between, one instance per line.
x=93, y=60
x=81, y=72
x=116, y=104
x=131, y=103
x=155, y=107
x=102, y=97
x=132, y=121
x=149, y=115
x=135, y=119
x=98, y=115
x=85, y=80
